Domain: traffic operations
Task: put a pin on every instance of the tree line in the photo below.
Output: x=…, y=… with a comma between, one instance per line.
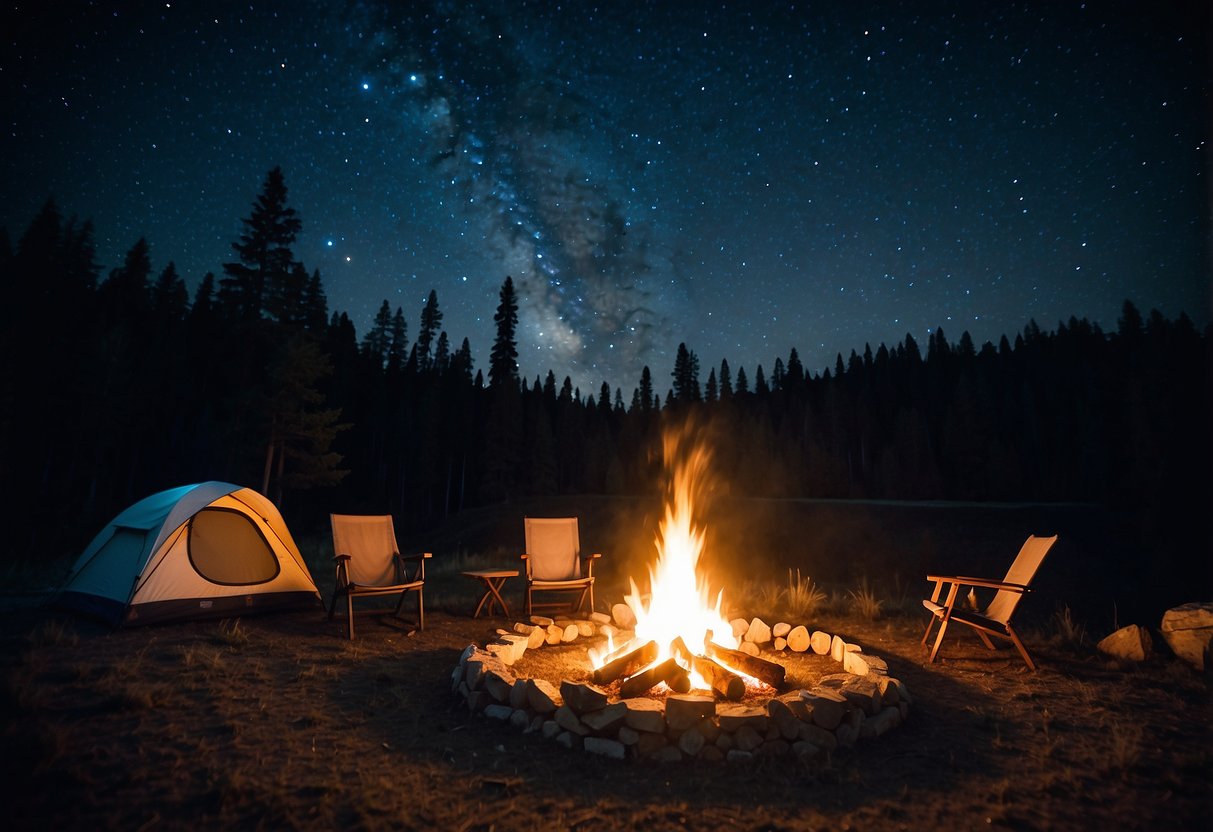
x=115, y=388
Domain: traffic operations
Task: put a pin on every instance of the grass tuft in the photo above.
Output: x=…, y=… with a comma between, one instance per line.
x=864, y=601
x=1066, y=630
x=231, y=633
x=802, y=597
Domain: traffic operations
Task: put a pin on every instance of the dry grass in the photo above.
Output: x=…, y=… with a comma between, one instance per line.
x=864, y=602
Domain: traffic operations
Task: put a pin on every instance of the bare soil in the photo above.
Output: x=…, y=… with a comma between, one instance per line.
x=279, y=722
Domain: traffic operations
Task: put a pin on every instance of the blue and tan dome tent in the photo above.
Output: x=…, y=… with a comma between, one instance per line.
x=199, y=551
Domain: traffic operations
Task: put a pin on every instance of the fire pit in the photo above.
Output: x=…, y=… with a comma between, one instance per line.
x=669, y=677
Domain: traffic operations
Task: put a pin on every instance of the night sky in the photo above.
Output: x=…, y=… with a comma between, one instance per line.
x=746, y=177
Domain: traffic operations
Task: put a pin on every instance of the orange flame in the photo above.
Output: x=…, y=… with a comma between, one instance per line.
x=679, y=603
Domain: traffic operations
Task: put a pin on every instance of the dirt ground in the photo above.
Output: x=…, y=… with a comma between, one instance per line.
x=278, y=722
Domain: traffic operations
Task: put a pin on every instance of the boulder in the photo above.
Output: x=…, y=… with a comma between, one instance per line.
x=607, y=748
x=1130, y=644
x=582, y=698
x=685, y=710
x=1188, y=630
x=644, y=715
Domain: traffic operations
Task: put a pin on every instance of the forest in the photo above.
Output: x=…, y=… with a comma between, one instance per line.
x=116, y=387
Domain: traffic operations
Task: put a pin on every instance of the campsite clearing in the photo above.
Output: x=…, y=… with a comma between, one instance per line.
x=278, y=721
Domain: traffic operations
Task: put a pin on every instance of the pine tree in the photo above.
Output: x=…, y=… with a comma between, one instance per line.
x=398, y=349
x=315, y=305
x=378, y=338
x=442, y=353
x=646, y=390
x=726, y=381
x=742, y=384
x=168, y=295
x=431, y=323
x=503, y=360
x=709, y=395
x=256, y=283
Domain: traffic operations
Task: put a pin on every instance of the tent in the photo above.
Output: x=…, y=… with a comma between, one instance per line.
x=199, y=551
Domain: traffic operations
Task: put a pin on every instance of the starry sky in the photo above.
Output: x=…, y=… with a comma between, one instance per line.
x=744, y=177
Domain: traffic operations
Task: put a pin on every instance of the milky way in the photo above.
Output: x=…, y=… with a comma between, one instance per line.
x=746, y=178
x=522, y=152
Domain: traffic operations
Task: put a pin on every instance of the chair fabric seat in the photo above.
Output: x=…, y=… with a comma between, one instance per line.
x=369, y=563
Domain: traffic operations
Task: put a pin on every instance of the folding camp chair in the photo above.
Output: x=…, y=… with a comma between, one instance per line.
x=995, y=619
x=369, y=563
x=554, y=564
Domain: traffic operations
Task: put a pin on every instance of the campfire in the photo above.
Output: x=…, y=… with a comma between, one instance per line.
x=681, y=641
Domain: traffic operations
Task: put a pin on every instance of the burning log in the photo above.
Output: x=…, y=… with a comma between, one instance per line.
x=767, y=672
x=626, y=665
x=668, y=671
x=723, y=682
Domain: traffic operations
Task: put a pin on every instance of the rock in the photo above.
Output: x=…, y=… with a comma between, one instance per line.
x=685, y=710
x=568, y=720
x=739, y=757
x=781, y=629
x=537, y=638
x=838, y=649
x=496, y=711
x=570, y=633
x=585, y=629
x=523, y=628
x=628, y=736
x=691, y=743
x=889, y=693
x=863, y=694
x=725, y=742
x=477, y=700
x=711, y=754
x=1130, y=644
x=600, y=618
x=783, y=718
x=581, y=697
x=542, y=696
x=739, y=625
x=625, y=619
x=550, y=729
x=732, y=717
x=498, y=684
x=568, y=739
x=780, y=642
x=846, y=735
x=818, y=736
x=542, y=621
x=607, y=719
x=606, y=748
x=644, y=715
x=863, y=664
x=749, y=648
x=747, y=739
x=503, y=650
x=820, y=642
x=798, y=639
x=805, y=750
x=826, y=707
x=759, y=632
x=648, y=744
x=555, y=634
x=1188, y=629
x=456, y=677
x=520, y=719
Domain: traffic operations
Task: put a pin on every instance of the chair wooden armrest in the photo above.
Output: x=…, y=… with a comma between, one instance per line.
x=988, y=583
x=419, y=557
x=588, y=563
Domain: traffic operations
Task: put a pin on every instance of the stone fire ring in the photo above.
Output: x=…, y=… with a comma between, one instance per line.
x=860, y=703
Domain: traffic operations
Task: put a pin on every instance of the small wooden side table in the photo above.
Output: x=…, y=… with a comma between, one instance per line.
x=493, y=580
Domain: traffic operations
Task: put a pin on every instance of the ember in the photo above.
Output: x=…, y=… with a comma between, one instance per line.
x=679, y=609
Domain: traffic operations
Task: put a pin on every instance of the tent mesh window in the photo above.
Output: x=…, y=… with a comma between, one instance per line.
x=225, y=547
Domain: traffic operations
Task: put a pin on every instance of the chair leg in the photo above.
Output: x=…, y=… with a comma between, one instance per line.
x=591, y=598
x=420, y=611
x=985, y=639
x=1023, y=651
x=930, y=626
x=333, y=605
x=349, y=616
x=943, y=626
